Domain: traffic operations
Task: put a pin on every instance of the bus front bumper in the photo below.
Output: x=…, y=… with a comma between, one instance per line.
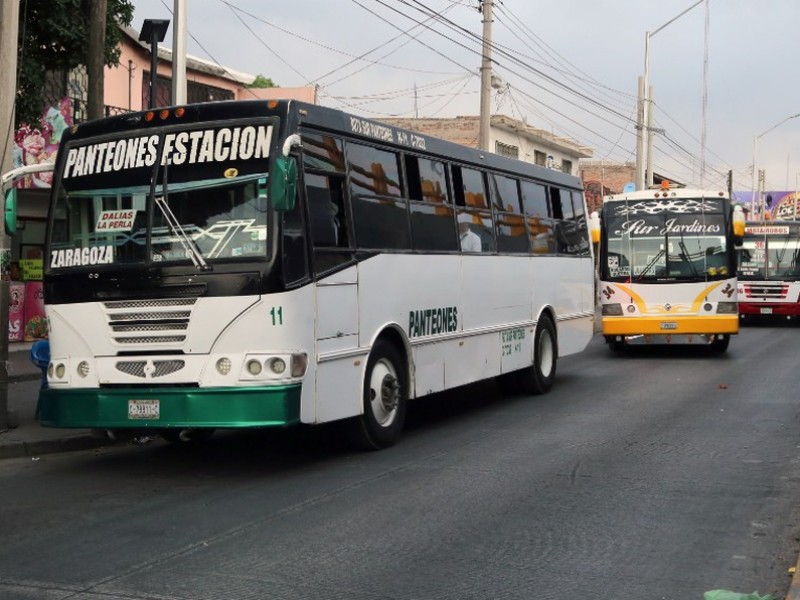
x=779, y=309
x=168, y=408
x=666, y=325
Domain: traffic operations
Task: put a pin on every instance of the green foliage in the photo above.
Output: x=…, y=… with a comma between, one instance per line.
x=54, y=35
x=261, y=82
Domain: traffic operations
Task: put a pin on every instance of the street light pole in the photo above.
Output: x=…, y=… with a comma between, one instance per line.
x=647, y=107
x=753, y=203
x=153, y=31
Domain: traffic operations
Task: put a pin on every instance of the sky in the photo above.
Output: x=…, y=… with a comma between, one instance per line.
x=723, y=72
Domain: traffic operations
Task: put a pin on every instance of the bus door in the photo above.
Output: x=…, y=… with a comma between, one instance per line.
x=336, y=291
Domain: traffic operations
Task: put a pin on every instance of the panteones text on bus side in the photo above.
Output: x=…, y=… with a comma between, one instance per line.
x=431, y=321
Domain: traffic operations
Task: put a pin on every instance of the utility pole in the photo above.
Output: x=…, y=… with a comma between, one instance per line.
x=95, y=63
x=486, y=76
x=9, y=26
x=179, y=53
x=640, y=135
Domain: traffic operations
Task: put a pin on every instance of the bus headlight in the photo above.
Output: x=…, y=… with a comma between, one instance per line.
x=277, y=365
x=727, y=308
x=224, y=366
x=614, y=310
x=254, y=367
x=712, y=271
x=723, y=271
x=83, y=369
x=61, y=370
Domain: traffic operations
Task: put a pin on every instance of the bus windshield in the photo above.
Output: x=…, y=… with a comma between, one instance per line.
x=214, y=219
x=176, y=195
x=666, y=246
x=770, y=257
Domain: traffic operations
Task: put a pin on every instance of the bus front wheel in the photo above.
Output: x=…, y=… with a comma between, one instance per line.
x=720, y=343
x=385, y=398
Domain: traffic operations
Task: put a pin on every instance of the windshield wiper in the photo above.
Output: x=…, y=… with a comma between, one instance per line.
x=188, y=244
x=649, y=266
x=685, y=256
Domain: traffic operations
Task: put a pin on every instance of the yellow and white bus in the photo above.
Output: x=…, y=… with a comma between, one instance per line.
x=266, y=263
x=667, y=267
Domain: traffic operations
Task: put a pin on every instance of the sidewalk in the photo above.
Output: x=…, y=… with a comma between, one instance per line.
x=25, y=436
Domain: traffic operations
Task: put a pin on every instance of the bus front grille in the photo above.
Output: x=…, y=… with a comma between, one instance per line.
x=162, y=321
x=766, y=291
x=149, y=369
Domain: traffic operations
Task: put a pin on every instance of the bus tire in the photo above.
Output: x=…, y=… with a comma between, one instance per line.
x=186, y=436
x=539, y=377
x=719, y=346
x=385, y=398
x=614, y=344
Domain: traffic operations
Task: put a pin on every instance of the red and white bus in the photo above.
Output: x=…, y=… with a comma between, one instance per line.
x=769, y=270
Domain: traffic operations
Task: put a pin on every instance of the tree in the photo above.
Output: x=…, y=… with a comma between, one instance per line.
x=261, y=82
x=54, y=36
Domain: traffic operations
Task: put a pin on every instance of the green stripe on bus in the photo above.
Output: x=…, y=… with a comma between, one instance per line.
x=177, y=407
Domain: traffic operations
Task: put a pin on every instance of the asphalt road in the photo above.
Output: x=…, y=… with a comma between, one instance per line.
x=657, y=475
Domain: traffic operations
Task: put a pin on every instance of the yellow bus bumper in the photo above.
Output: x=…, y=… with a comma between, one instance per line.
x=677, y=325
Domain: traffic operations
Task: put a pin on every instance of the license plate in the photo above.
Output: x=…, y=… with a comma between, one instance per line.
x=766, y=310
x=143, y=409
x=669, y=325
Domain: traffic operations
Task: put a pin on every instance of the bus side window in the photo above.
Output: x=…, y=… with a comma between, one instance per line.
x=295, y=260
x=379, y=209
x=579, y=216
x=565, y=229
x=509, y=223
x=326, y=211
x=537, y=217
x=469, y=190
x=432, y=216
x=327, y=221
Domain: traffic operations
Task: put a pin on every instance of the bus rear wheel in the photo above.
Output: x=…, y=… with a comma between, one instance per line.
x=384, y=401
x=539, y=377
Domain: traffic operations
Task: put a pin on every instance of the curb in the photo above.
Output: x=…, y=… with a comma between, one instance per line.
x=65, y=444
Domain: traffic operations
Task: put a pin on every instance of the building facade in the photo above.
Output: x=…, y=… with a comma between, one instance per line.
x=507, y=136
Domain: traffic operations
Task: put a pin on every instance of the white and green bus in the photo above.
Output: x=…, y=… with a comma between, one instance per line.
x=271, y=263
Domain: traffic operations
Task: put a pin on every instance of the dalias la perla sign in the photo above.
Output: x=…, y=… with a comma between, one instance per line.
x=219, y=145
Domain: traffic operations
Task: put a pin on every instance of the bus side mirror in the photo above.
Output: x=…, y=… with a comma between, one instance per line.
x=284, y=183
x=738, y=226
x=594, y=227
x=10, y=217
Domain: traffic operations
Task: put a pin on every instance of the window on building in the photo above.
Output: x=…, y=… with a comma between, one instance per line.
x=506, y=150
x=540, y=158
x=566, y=166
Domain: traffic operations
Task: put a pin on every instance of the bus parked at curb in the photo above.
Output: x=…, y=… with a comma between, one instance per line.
x=272, y=263
x=769, y=271
x=667, y=267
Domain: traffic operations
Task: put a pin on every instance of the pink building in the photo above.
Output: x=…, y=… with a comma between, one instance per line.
x=127, y=85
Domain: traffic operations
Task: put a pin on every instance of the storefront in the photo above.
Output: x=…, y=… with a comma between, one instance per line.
x=32, y=145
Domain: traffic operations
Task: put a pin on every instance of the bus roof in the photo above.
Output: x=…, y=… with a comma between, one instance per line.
x=674, y=193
